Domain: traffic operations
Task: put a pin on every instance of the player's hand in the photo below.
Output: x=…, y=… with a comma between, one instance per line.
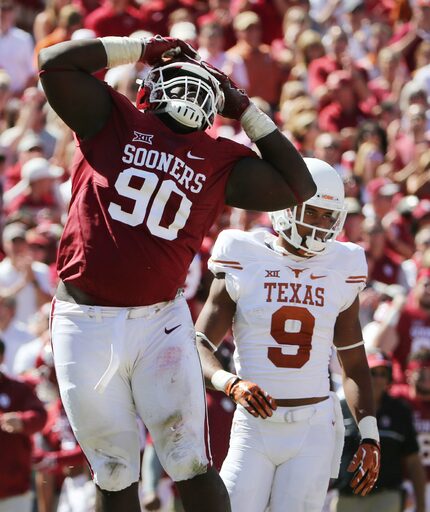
x=255, y=400
x=11, y=423
x=236, y=100
x=365, y=464
x=158, y=48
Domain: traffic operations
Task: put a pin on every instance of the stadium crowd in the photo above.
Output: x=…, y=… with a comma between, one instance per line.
x=348, y=81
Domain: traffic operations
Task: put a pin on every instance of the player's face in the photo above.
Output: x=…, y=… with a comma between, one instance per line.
x=380, y=380
x=423, y=292
x=421, y=380
x=308, y=218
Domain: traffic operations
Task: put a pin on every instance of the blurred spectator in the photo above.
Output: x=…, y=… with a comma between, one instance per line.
x=412, y=139
x=61, y=473
x=388, y=84
x=347, y=105
x=114, y=18
x=384, y=265
x=370, y=150
x=46, y=21
x=380, y=194
x=405, y=326
x=352, y=229
x=220, y=14
x=303, y=128
x=31, y=121
x=211, y=50
x=36, y=189
x=257, y=57
x=408, y=36
x=13, y=333
x=418, y=182
x=5, y=96
x=20, y=276
x=309, y=47
x=185, y=30
x=69, y=20
x=16, y=49
x=296, y=21
x=337, y=58
x=21, y=415
x=328, y=148
x=155, y=15
x=25, y=362
x=399, y=449
x=417, y=393
x=398, y=225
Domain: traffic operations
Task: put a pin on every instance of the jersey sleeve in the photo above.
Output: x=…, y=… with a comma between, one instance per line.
x=225, y=260
x=355, y=276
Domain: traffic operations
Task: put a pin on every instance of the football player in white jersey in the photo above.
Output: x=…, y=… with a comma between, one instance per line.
x=289, y=299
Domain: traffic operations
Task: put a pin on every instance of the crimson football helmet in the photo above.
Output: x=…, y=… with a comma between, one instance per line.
x=186, y=91
x=330, y=195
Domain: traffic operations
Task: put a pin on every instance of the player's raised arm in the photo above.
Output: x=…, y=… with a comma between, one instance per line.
x=357, y=385
x=80, y=99
x=214, y=321
x=280, y=179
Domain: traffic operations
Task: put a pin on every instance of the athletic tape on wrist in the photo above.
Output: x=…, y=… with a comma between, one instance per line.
x=368, y=428
x=256, y=123
x=208, y=341
x=221, y=378
x=122, y=50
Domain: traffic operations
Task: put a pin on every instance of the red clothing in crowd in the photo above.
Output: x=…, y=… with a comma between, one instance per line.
x=59, y=445
x=155, y=14
x=16, y=449
x=105, y=21
x=413, y=331
x=333, y=118
x=409, y=54
x=385, y=269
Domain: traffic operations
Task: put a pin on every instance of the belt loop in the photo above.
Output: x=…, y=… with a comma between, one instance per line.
x=98, y=314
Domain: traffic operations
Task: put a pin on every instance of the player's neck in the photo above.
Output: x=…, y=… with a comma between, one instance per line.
x=281, y=245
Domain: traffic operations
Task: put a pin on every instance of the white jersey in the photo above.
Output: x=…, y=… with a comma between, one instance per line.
x=286, y=310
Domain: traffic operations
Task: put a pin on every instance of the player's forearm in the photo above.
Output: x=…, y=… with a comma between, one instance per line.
x=277, y=150
x=358, y=393
x=210, y=363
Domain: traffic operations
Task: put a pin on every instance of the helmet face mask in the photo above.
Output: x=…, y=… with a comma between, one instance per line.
x=297, y=225
x=185, y=91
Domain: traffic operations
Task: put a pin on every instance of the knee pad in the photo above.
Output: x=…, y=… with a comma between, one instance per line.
x=114, y=461
x=113, y=474
x=183, y=466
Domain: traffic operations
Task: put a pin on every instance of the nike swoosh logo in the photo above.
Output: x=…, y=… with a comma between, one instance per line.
x=168, y=331
x=194, y=157
x=316, y=277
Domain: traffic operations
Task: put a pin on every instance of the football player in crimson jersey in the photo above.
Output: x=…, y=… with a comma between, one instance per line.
x=289, y=299
x=146, y=187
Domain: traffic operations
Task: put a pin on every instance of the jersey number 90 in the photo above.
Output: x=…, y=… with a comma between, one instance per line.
x=150, y=204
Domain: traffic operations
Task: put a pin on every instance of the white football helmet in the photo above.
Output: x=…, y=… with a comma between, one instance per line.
x=186, y=91
x=330, y=195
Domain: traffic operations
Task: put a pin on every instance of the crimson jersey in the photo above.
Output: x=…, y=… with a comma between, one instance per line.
x=413, y=331
x=143, y=197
